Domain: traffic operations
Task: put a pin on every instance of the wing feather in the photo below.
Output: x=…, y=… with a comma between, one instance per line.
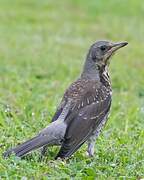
x=86, y=120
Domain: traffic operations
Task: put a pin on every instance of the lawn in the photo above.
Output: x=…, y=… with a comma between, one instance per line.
x=43, y=45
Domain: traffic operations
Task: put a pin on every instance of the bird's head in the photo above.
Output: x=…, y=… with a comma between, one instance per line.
x=101, y=51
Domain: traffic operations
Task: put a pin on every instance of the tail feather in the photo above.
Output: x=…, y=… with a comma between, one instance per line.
x=28, y=146
x=51, y=135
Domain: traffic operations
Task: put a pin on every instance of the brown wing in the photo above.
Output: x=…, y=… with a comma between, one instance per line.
x=74, y=92
x=59, y=110
x=92, y=108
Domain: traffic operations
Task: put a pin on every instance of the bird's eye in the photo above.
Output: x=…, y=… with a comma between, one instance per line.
x=103, y=48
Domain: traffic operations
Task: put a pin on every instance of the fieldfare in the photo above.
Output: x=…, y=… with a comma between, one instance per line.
x=83, y=110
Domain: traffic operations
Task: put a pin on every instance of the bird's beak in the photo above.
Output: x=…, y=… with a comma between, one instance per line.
x=113, y=47
x=116, y=46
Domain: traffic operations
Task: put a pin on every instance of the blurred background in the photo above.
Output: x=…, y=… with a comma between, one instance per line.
x=43, y=45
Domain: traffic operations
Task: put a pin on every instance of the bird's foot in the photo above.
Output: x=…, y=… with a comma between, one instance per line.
x=90, y=150
x=89, y=154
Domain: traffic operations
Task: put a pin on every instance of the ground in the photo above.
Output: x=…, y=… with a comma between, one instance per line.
x=43, y=45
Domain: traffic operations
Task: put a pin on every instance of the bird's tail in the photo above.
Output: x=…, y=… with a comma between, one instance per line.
x=28, y=146
x=51, y=135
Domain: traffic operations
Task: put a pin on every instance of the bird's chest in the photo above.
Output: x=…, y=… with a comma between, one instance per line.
x=98, y=129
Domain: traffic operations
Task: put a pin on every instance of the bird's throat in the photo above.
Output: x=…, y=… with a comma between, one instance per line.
x=104, y=77
x=100, y=74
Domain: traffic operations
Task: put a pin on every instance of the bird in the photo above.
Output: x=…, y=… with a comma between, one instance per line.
x=83, y=110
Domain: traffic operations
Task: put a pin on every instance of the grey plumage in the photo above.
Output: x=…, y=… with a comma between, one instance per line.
x=83, y=110
x=47, y=136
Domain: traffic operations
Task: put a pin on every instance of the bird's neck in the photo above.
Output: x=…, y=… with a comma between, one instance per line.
x=105, y=78
x=91, y=71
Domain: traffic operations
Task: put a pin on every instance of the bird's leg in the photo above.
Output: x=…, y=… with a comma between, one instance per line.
x=91, y=145
x=44, y=150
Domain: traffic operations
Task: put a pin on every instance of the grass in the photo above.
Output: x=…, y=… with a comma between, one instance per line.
x=42, y=49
